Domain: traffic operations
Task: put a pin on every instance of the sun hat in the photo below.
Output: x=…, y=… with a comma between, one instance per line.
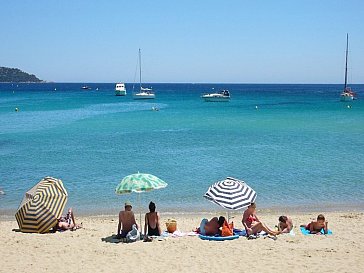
x=128, y=203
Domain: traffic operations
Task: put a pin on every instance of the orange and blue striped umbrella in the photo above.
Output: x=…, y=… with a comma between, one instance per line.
x=42, y=205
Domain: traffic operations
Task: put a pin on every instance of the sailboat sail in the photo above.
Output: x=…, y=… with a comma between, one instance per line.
x=144, y=93
x=347, y=94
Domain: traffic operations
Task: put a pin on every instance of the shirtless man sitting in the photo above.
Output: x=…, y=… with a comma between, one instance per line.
x=126, y=221
x=285, y=224
x=315, y=227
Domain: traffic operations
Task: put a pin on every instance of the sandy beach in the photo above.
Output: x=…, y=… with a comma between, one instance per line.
x=92, y=249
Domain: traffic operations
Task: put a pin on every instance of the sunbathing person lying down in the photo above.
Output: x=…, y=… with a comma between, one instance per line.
x=212, y=227
x=316, y=226
x=68, y=222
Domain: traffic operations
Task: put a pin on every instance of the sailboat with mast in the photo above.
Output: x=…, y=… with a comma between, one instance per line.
x=347, y=94
x=144, y=93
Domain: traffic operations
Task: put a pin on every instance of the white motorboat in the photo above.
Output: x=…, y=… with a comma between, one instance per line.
x=120, y=89
x=222, y=96
x=144, y=93
x=347, y=94
x=86, y=87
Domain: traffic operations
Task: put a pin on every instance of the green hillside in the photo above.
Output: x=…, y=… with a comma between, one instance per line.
x=16, y=75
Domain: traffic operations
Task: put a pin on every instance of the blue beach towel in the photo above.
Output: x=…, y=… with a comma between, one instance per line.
x=307, y=232
x=240, y=232
x=218, y=238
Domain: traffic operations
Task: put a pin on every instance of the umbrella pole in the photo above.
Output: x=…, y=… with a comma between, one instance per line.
x=140, y=214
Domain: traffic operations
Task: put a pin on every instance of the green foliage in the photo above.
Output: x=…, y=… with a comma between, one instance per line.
x=16, y=75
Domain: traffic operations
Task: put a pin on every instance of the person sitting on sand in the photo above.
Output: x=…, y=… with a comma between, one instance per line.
x=253, y=225
x=315, y=227
x=212, y=227
x=68, y=222
x=126, y=221
x=152, y=222
x=285, y=224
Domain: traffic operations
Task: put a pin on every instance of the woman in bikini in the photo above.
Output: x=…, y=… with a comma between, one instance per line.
x=253, y=225
x=152, y=226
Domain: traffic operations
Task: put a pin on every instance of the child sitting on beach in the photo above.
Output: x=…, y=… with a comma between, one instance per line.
x=315, y=227
x=285, y=224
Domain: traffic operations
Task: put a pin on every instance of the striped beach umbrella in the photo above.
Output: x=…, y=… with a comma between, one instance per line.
x=41, y=206
x=140, y=182
x=231, y=193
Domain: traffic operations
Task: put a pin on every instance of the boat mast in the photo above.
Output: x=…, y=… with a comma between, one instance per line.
x=346, y=60
x=140, y=71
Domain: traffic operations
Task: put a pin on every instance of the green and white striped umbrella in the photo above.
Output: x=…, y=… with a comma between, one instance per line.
x=140, y=182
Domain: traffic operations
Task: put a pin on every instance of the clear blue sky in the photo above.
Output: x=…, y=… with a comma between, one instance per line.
x=184, y=41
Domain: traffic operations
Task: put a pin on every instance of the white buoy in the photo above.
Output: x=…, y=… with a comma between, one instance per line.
x=16, y=109
x=256, y=107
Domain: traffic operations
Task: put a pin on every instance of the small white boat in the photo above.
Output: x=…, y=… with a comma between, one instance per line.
x=144, y=93
x=120, y=89
x=347, y=94
x=86, y=87
x=222, y=96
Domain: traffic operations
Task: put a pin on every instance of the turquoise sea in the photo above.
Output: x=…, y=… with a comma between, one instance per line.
x=302, y=148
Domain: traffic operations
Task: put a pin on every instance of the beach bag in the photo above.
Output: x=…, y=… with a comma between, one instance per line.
x=133, y=235
x=171, y=225
x=227, y=230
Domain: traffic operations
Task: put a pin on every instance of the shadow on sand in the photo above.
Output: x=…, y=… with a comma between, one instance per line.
x=112, y=239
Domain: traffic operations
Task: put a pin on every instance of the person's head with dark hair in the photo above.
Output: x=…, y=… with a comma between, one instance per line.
x=321, y=217
x=282, y=219
x=151, y=207
x=252, y=205
x=285, y=224
x=221, y=220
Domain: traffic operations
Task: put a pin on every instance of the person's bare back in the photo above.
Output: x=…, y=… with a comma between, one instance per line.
x=126, y=221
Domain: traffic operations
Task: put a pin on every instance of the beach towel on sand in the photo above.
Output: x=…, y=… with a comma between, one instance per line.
x=307, y=232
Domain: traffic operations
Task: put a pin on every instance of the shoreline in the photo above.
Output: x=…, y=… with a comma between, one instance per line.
x=9, y=213
x=190, y=213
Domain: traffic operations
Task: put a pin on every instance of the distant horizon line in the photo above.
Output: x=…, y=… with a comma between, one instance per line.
x=83, y=82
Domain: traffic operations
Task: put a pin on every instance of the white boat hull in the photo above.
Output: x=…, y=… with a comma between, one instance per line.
x=346, y=97
x=143, y=96
x=120, y=92
x=216, y=99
